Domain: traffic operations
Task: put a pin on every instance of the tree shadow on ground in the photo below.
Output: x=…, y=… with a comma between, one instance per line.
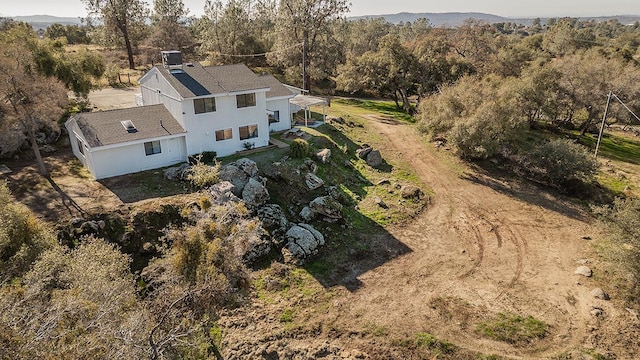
x=355, y=244
x=144, y=185
x=511, y=184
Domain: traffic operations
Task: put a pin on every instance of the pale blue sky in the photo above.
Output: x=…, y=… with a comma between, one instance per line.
x=508, y=8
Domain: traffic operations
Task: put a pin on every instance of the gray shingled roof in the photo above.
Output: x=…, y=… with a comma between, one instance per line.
x=195, y=80
x=277, y=89
x=105, y=127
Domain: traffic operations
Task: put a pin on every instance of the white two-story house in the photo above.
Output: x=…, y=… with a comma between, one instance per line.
x=187, y=109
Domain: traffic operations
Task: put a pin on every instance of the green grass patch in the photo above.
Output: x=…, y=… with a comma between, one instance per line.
x=613, y=147
x=287, y=316
x=513, y=329
x=426, y=340
x=383, y=107
x=376, y=330
x=613, y=183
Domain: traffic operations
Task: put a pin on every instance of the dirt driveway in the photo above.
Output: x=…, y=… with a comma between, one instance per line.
x=485, y=247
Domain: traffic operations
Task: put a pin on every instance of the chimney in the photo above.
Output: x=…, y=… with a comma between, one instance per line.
x=172, y=59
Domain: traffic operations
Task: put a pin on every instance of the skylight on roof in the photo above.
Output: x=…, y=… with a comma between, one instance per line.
x=128, y=125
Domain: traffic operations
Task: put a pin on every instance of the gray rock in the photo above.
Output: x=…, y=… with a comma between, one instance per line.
x=599, y=294
x=363, y=152
x=274, y=220
x=248, y=166
x=584, y=271
x=235, y=176
x=255, y=193
x=102, y=224
x=90, y=227
x=307, y=214
x=381, y=203
x=76, y=222
x=222, y=192
x=313, y=181
x=324, y=155
x=177, y=172
x=252, y=248
x=303, y=241
x=326, y=206
x=411, y=192
x=374, y=158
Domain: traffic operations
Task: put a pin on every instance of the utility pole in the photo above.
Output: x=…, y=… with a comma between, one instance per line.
x=604, y=117
x=304, y=62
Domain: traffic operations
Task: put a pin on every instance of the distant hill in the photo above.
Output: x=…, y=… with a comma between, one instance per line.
x=453, y=19
x=437, y=19
x=43, y=21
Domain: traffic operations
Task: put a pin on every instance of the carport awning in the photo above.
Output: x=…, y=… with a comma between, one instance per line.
x=304, y=101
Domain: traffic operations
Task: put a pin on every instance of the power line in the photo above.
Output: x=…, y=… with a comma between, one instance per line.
x=258, y=55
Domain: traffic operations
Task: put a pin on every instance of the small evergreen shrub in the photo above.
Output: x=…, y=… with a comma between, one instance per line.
x=299, y=149
x=560, y=161
x=205, y=157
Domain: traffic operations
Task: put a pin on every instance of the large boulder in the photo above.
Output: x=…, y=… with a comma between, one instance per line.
x=253, y=247
x=178, y=172
x=313, y=181
x=274, y=220
x=255, y=193
x=302, y=241
x=235, y=176
x=222, y=192
x=374, y=158
x=327, y=207
x=247, y=165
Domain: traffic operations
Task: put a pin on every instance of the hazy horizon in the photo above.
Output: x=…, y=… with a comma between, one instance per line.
x=505, y=8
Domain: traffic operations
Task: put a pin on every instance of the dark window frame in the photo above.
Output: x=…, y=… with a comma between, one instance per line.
x=204, y=105
x=223, y=134
x=246, y=100
x=248, y=134
x=152, y=147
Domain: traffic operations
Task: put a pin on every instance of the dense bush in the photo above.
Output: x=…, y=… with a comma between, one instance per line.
x=621, y=221
x=202, y=175
x=206, y=157
x=22, y=237
x=299, y=148
x=560, y=161
x=479, y=116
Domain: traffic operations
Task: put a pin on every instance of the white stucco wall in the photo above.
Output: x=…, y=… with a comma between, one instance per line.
x=201, y=128
x=281, y=105
x=130, y=158
x=156, y=89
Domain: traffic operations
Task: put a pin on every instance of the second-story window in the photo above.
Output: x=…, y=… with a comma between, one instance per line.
x=246, y=100
x=204, y=105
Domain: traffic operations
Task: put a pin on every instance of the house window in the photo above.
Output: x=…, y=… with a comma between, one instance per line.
x=275, y=117
x=204, y=105
x=80, y=146
x=152, y=147
x=248, y=132
x=246, y=100
x=225, y=134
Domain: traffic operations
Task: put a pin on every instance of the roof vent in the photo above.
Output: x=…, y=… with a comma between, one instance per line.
x=128, y=125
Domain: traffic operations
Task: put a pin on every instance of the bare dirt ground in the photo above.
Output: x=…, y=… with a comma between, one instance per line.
x=485, y=246
x=498, y=247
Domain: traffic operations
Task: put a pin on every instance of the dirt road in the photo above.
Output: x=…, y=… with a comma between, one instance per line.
x=484, y=247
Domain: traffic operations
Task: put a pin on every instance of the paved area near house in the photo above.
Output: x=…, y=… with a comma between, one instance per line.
x=111, y=98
